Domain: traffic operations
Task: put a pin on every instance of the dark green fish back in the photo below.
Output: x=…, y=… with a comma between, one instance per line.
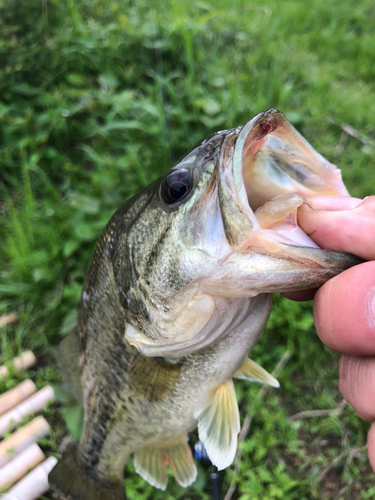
x=69, y=477
x=68, y=360
x=105, y=253
x=70, y=480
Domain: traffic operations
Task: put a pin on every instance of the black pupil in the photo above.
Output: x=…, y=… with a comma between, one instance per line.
x=177, y=190
x=175, y=186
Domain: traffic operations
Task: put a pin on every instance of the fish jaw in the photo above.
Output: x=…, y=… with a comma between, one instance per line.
x=255, y=271
x=266, y=172
x=275, y=159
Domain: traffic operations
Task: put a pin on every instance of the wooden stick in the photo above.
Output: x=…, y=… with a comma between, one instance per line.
x=21, y=464
x=34, y=484
x=23, y=362
x=31, y=405
x=8, y=319
x=22, y=438
x=14, y=396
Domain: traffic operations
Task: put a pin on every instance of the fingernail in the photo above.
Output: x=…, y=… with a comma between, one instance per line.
x=333, y=203
x=371, y=307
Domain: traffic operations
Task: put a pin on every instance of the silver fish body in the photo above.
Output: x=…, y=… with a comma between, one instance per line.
x=177, y=294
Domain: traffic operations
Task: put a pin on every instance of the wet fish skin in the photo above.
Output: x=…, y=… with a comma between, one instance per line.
x=174, y=300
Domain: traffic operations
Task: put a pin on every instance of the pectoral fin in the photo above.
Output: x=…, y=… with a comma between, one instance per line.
x=151, y=464
x=219, y=424
x=249, y=370
x=152, y=379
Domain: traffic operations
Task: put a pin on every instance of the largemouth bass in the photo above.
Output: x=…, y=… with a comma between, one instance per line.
x=177, y=293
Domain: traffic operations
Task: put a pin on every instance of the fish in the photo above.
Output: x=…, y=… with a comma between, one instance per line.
x=177, y=293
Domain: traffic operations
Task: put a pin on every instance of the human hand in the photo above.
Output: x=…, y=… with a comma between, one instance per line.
x=344, y=307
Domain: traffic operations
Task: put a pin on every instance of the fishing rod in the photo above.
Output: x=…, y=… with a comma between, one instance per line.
x=200, y=454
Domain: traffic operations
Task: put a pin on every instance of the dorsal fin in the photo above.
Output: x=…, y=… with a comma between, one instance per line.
x=151, y=465
x=249, y=370
x=219, y=424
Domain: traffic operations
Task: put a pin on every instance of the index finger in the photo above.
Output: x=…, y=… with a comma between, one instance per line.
x=344, y=311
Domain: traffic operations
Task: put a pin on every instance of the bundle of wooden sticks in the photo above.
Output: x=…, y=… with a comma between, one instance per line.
x=23, y=466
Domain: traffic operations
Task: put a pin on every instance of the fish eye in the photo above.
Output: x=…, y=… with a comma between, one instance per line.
x=176, y=186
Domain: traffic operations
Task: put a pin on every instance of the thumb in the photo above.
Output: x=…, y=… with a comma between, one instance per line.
x=341, y=224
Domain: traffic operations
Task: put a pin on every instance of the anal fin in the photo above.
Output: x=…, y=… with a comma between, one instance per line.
x=219, y=424
x=249, y=370
x=180, y=460
x=151, y=464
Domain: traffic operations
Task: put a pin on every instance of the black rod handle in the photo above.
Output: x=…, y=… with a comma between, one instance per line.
x=214, y=476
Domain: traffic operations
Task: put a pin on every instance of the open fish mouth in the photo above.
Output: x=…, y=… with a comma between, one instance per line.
x=274, y=170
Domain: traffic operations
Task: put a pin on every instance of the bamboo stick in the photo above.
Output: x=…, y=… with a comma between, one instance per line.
x=14, y=396
x=22, y=463
x=22, y=438
x=31, y=405
x=34, y=484
x=8, y=319
x=23, y=362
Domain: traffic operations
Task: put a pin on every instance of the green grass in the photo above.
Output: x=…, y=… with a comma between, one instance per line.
x=97, y=99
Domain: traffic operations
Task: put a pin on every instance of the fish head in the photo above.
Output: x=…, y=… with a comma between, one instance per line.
x=218, y=229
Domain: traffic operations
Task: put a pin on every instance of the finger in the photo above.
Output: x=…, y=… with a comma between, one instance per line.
x=309, y=215
x=344, y=311
x=301, y=296
x=333, y=223
x=357, y=384
x=371, y=445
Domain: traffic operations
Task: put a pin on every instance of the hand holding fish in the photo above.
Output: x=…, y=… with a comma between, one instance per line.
x=344, y=307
